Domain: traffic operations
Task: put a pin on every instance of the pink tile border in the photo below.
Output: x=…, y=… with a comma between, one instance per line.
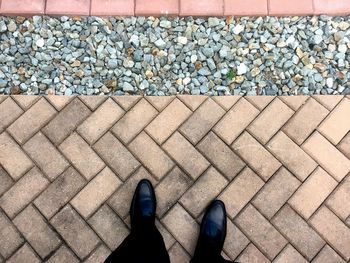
x=27, y=7
x=112, y=7
x=175, y=7
x=156, y=7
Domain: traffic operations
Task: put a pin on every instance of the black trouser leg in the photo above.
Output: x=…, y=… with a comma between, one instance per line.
x=141, y=246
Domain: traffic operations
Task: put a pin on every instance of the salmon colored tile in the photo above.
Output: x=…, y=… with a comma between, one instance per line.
x=245, y=8
x=112, y=7
x=334, y=7
x=157, y=7
x=68, y=7
x=201, y=8
x=288, y=7
x=22, y=6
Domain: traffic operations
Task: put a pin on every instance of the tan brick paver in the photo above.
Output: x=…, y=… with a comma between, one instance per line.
x=69, y=167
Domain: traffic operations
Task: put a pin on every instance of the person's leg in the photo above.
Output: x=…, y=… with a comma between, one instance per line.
x=144, y=244
x=212, y=235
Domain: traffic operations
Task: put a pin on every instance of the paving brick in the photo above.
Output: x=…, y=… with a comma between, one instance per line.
x=112, y=8
x=256, y=156
x=160, y=102
x=337, y=124
x=331, y=7
x=226, y=102
x=151, y=155
x=276, y=192
x=10, y=239
x=126, y=101
x=97, y=191
x=235, y=241
x=312, y=193
x=134, y=121
x=252, y=255
x=116, y=155
x=178, y=255
x=240, y=191
x=126, y=191
x=197, y=198
x=157, y=7
x=59, y=102
x=9, y=112
x=68, y=7
x=23, y=192
x=66, y=121
x=93, y=101
x=79, y=153
x=49, y=160
x=6, y=181
x=305, y=121
x=292, y=156
x=285, y=7
x=75, y=231
x=201, y=121
x=235, y=121
x=298, y=232
x=219, y=154
x=260, y=103
x=270, y=120
x=186, y=155
x=294, y=102
x=245, y=8
x=333, y=230
x=99, y=255
x=207, y=8
x=100, y=121
x=290, y=254
x=328, y=101
x=25, y=101
x=36, y=231
x=171, y=189
x=260, y=232
x=193, y=102
x=332, y=160
x=59, y=192
x=31, y=121
x=23, y=7
x=168, y=121
x=344, y=146
x=339, y=201
x=13, y=159
x=24, y=254
x=183, y=227
x=63, y=254
x=109, y=227
x=327, y=254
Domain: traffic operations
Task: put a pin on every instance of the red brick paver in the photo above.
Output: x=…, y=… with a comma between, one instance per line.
x=70, y=165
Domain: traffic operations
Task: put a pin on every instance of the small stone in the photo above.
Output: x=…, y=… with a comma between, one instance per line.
x=182, y=40
x=68, y=92
x=317, y=39
x=128, y=63
x=134, y=40
x=242, y=69
x=255, y=72
x=204, y=72
x=213, y=21
x=40, y=42
x=160, y=43
x=344, y=25
x=299, y=52
x=320, y=67
x=112, y=63
x=165, y=24
x=238, y=29
x=342, y=48
x=329, y=82
x=76, y=63
x=12, y=27
x=3, y=27
x=127, y=87
x=149, y=74
x=3, y=83
x=186, y=81
x=318, y=77
x=338, y=36
x=208, y=52
x=194, y=58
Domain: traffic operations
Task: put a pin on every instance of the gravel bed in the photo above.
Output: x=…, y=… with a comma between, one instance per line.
x=166, y=56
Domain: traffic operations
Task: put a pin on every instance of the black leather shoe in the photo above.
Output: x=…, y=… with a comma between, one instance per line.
x=212, y=233
x=143, y=205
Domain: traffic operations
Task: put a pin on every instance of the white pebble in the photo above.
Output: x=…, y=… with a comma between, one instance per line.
x=40, y=42
x=242, y=69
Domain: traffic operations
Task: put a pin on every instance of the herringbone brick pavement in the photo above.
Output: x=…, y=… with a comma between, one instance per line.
x=69, y=165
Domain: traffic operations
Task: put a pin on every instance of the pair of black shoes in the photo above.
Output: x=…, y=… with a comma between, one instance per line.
x=212, y=231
